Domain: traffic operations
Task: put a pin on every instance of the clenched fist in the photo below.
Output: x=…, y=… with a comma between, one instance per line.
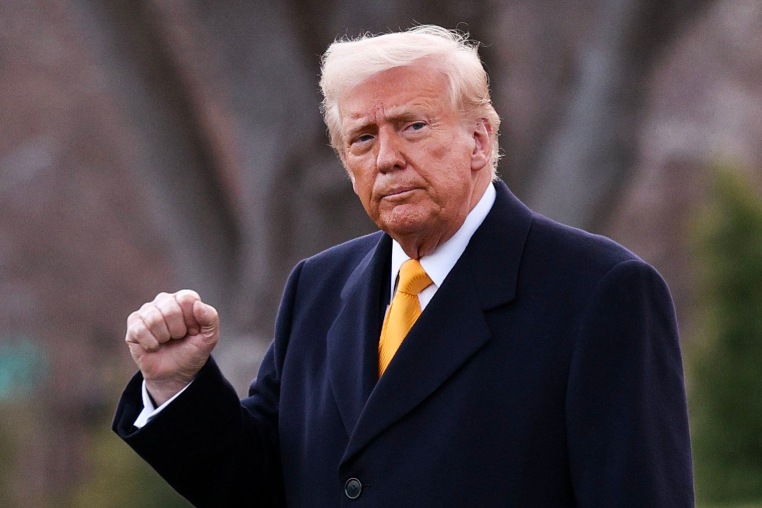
x=170, y=339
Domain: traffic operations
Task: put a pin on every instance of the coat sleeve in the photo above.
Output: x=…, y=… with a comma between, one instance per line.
x=204, y=444
x=626, y=408
x=214, y=449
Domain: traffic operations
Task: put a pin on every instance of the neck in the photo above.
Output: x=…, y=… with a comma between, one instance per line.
x=416, y=248
x=419, y=244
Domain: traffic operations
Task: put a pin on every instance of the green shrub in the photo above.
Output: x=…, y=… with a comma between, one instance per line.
x=120, y=479
x=726, y=371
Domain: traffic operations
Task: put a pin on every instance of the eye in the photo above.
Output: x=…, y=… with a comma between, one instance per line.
x=360, y=136
x=415, y=129
x=360, y=143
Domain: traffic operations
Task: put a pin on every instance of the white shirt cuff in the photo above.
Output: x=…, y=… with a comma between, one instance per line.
x=149, y=411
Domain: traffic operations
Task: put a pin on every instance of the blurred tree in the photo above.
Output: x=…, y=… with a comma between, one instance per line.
x=7, y=460
x=207, y=112
x=222, y=103
x=586, y=155
x=222, y=99
x=726, y=403
x=122, y=480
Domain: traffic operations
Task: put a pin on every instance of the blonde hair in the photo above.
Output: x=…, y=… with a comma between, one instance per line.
x=348, y=62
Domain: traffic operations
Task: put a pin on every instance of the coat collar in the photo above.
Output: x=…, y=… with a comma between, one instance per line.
x=451, y=330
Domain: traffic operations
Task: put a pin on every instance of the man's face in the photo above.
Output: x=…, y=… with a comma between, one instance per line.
x=416, y=164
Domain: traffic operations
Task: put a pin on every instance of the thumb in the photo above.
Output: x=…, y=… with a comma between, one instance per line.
x=207, y=319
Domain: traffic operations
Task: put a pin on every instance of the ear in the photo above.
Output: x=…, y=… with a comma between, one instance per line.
x=482, y=153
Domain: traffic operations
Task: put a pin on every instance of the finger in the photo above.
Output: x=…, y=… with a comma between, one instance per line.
x=138, y=334
x=173, y=315
x=186, y=298
x=207, y=318
x=153, y=319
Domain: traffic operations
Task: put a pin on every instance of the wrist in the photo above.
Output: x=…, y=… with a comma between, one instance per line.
x=160, y=391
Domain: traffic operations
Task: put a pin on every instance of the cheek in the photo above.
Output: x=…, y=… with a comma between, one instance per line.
x=362, y=184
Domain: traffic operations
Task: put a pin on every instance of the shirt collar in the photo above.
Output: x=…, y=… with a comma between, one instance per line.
x=439, y=263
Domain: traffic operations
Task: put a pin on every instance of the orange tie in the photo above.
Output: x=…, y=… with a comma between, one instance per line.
x=403, y=311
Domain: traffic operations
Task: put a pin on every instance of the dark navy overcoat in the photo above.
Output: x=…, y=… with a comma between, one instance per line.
x=545, y=372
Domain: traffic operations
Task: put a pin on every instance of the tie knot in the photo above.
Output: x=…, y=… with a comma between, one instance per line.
x=413, y=278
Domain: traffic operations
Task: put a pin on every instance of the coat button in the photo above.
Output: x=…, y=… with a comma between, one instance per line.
x=353, y=488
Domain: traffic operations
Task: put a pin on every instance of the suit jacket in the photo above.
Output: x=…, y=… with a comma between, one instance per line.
x=545, y=372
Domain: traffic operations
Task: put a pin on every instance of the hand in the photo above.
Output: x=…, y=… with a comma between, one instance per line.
x=170, y=339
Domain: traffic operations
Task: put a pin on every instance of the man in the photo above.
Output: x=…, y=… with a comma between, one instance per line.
x=544, y=368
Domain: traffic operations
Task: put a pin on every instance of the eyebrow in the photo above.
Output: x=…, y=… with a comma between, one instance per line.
x=398, y=114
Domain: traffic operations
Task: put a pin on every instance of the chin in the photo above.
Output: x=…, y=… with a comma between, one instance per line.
x=403, y=228
x=405, y=220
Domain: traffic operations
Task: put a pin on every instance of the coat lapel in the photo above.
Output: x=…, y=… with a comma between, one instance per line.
x=453, y=327
x=352, y=340
x=448, y=333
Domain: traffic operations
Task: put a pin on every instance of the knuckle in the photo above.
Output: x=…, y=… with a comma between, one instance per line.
x=187, y=296
x=161, y=299
x=134, y=333
x=152, y=317
x=167, y=308
x=134, y=317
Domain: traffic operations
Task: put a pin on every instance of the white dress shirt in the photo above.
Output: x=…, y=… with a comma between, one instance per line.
x=439, y=263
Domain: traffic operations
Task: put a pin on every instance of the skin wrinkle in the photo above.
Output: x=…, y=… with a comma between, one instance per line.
x=417, y=164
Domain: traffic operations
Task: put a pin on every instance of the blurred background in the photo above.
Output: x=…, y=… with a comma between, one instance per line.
x=150, y=145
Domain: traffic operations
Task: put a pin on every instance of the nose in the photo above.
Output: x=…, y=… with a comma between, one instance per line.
x=389, y=156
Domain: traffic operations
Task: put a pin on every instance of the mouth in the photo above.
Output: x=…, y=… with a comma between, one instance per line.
x=399, y=193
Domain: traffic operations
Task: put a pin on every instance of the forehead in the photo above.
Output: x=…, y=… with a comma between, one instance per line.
x=397, y=91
